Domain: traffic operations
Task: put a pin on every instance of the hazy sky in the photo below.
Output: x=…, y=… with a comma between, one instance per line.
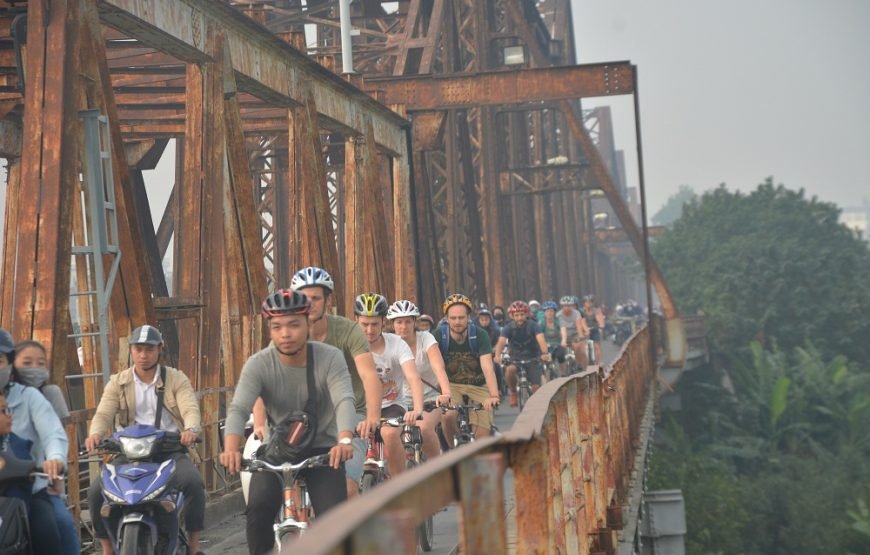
x=735, y=91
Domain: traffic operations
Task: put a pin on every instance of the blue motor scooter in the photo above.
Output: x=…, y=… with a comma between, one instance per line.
x=141, y=510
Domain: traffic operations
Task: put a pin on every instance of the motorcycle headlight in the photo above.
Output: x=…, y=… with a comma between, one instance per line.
x=112, y=496
x=138, y=447
x=153, y=495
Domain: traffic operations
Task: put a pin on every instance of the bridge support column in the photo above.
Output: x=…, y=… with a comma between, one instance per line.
x=481, y=497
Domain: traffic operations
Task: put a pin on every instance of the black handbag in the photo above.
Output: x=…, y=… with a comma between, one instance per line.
x=14, y=530
x=293, y=437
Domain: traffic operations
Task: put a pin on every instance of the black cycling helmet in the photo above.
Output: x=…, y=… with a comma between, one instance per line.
x=483, y=311
x=146, y=335
x=284, y=302
x=7, y=347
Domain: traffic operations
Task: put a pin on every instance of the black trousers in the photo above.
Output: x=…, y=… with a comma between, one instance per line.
x=186, y=478
x=326, y=487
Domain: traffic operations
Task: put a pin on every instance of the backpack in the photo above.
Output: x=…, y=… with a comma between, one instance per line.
x=444, y=343
x=14, y=529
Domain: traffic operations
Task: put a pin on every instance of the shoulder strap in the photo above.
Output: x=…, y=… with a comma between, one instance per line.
x=311, y=403
x=444, y=343
x=161, y=389
x=472, y=338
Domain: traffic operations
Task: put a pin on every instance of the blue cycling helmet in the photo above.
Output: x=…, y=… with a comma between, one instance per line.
x=550, y=305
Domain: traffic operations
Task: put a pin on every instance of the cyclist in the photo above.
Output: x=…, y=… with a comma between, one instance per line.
x=277, y=376
x=425, y=323
x=430, y=367
x=485, y=322
x=468, y=359
x=40, y=436
x=537, y=312
x=130, y=397
x=395, y=366
x=569, y=322
x=342, y=333
x=553, y=334
x=592, y=323
x=498, y=315
x=526, y=341
x=30, y=368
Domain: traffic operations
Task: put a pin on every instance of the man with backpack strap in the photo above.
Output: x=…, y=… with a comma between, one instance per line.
x=467, y=353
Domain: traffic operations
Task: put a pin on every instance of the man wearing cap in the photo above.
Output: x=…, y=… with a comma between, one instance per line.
x=130, y=398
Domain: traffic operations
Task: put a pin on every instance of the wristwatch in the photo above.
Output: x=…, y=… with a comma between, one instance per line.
x=193, y=429
x=344, y=441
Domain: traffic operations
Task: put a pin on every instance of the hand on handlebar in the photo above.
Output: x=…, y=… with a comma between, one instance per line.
x=442, y=400
x=187, y=438
x=92, y=441
x=53, y=468
x=232, y=461
x=340, y=453
x=260, y=432
x=546, y=357
x=412, y=416
x=491, y=402
x=367, y=427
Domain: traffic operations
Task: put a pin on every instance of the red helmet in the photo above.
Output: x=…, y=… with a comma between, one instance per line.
x=519, y=307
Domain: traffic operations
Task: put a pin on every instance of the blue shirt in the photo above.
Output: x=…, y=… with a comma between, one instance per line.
x=34, y=419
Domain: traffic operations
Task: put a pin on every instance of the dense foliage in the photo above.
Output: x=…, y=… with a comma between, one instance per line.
x=772, y=447
x=672, y=209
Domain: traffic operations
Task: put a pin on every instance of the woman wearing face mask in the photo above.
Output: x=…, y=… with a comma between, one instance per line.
x=30, y=368
x=34, y=421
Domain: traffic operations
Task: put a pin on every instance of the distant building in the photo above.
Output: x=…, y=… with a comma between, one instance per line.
x=857, y=218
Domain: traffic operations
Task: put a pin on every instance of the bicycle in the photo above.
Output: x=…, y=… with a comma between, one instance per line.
x=375, y=470
x=523, y=387
x=570, y=362
x=296, y=512
x=463, y=422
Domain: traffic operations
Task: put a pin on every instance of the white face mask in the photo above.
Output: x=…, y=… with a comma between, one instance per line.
x=5, y=373
x=33, y=377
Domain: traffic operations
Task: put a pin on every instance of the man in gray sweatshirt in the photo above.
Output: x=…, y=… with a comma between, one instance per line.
x=277, y=374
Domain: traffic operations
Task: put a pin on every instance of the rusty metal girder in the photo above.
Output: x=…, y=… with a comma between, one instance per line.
x=264, y=65
x=505, y=87
x=537, y=180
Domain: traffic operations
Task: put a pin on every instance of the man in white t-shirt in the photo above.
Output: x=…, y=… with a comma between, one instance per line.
x=395, y=365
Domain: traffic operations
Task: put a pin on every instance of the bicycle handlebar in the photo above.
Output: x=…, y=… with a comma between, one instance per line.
x=254, y=465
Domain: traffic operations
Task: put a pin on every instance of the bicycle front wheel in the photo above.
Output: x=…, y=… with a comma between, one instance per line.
x=523, y=397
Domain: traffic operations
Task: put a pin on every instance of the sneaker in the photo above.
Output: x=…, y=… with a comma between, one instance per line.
x=513, y=401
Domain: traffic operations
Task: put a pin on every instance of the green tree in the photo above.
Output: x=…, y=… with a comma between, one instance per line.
x=673, y=207
x=770, y=265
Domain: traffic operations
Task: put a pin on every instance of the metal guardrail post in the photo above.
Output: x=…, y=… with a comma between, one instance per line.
x=481, y=500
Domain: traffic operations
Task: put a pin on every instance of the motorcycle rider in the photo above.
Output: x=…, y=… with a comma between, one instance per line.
x=38, y=433
x=129, y=398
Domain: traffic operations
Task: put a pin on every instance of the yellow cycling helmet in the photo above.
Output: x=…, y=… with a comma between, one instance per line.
x=457, y=298
x=370, y=304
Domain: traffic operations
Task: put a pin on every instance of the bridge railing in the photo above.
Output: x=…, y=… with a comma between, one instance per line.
x=571, y=451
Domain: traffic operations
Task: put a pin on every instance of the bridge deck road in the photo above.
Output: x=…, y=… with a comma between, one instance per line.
x=228, y=537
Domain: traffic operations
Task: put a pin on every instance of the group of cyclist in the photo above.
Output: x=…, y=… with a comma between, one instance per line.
x=361, y=373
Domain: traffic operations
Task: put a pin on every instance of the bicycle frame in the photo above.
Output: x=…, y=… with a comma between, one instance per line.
x=296, y=505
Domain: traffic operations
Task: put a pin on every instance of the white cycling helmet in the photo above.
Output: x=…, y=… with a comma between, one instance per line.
x=401, y=309
x=312, y=275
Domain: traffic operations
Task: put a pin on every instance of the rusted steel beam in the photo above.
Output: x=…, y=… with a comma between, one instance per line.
x=354, y=251
x=214, y=261
x=167, y=222
x=265, y=65
x=148, y=243
x=10, y=138
x=49, y=163
x=378, y=256
x=481, y=501
x=403, y=238
x=517, y=86
x=131, y=303
x=319, y=247
x=10, y=237
x=618, y=235
x=188, y=232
